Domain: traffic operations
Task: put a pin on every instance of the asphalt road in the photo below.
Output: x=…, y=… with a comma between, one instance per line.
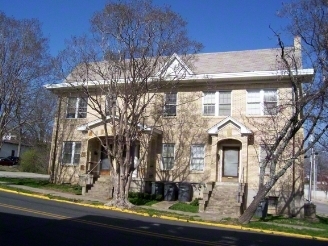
x=31, y=221
x=321, y=207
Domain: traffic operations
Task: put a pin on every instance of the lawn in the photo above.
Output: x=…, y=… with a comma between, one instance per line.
x=317, y=228
x=185, y=207
x=44, y=184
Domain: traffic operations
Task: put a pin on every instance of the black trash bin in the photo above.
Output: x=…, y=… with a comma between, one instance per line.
x=157, y=189
x=170, y=191
x=262, y=209
x=185, y=192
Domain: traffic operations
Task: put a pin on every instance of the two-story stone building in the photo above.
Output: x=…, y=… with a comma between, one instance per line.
x=210, y=134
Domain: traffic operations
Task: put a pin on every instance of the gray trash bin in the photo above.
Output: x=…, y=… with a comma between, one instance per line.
x=262, y=209
x=157, y=189
x=185, y=192
x=170, y=191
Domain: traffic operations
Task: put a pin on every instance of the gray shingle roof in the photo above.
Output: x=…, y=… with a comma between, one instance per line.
x=237, y=61
x=203, y=63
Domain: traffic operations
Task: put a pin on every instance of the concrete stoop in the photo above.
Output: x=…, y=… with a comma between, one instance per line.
x=101, y=189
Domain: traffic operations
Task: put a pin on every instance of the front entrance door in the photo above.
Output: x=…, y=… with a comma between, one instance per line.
x=230, y=164
x=104, y=162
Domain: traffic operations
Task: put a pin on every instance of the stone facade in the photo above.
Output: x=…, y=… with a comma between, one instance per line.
x=231, y=143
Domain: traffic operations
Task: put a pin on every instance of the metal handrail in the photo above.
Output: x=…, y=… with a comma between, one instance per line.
x=88, y=172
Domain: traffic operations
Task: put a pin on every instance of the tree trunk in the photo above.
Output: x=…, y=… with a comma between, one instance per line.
x=249, y=212
x=121, y=189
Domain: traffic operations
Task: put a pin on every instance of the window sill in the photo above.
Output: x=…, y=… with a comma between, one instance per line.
x=75, y=118
x=216, y=116
x=261, y=116
x=196, y=172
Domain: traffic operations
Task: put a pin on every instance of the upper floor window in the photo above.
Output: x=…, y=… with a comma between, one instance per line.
x=71, y=153
x=262, y=102
x=110, y=104
x=264, y=154
x=170, y=106
x=168, y=156
x=217, y=103
x=77, y=107
x=197, y=157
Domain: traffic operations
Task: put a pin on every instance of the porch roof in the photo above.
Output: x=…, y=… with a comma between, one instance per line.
x=91, y=124
x=243, y=129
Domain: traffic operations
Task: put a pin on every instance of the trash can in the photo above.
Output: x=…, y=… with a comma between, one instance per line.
x=157, y=189
x=185, y=192
x=262, y=209
x=170, y=191
x=272, y=204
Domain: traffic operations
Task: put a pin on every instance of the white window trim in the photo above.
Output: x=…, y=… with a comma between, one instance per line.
x=108, y=107
x=261, y=91
x=176, y=105
x=193, y=170
x=71, y=163
x=162, y=163
x=217, y=97
x=77, y=107
x=267, y=168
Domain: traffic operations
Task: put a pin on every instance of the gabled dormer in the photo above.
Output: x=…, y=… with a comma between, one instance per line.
x=175, y=67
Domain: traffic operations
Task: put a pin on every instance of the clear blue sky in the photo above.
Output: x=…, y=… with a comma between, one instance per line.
x=221, y=25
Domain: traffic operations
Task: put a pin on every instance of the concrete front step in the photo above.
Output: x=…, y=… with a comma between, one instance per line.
x=101, y=189
x=223, y=200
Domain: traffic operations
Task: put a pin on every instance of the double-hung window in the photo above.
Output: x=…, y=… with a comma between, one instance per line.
x=110, y=104
x=264, y=157
x=77, y=107
x=168, y=156
x=217, y=103
x=71, y=153
x=262, y=102
x=197, y=157
x=170, y=106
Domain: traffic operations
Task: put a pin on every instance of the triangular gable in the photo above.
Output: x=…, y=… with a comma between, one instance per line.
x=229, y=120
x=175, y=67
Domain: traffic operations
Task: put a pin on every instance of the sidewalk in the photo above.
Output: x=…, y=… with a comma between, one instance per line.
x=6, y=174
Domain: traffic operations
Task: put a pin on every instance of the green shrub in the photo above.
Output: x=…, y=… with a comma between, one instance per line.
x=195, y=202
x=140, y=198
x=32, y=161
x=185, y=207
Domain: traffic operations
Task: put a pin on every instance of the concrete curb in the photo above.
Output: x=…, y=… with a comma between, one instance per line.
x=234, y=227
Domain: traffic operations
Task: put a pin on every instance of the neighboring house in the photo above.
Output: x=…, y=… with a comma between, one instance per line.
x=10, y=148
x=208, y=136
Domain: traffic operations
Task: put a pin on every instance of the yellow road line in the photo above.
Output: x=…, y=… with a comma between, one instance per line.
x=93, y=223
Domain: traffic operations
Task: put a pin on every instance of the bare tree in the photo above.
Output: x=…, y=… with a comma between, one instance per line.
x=307, y=107
x=24, y=63
x=118, y=72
